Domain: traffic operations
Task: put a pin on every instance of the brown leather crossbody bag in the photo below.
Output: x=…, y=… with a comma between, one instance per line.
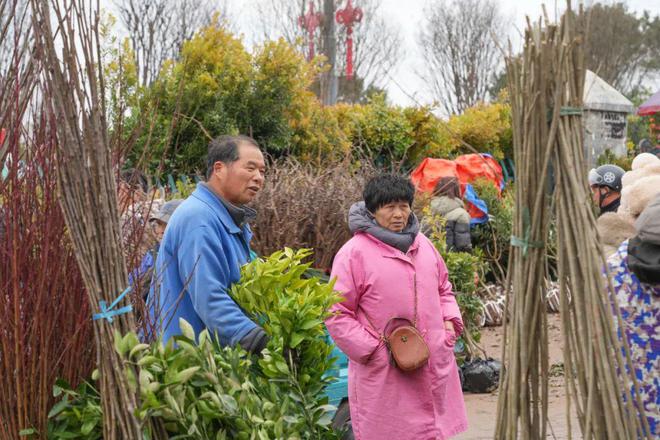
x=405, y=344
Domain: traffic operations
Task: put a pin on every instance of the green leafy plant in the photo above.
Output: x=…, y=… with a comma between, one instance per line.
x=204, y=391
x=201, y=390
x=78, y=413
x=183, y=189
x=625, y=162
x=291, y=308
x=493, y=237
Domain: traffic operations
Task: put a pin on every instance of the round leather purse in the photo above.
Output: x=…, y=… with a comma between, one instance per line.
x=405, y=344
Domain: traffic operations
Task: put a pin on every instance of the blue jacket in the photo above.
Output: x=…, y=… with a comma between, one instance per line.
x=203, y=249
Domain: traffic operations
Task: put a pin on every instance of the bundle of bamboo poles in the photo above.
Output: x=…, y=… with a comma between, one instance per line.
x=595, y=367
x=522, y=406
x=546, y=86
x=67, y=37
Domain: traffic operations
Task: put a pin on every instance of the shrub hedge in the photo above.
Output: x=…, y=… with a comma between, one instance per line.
x=219, y=87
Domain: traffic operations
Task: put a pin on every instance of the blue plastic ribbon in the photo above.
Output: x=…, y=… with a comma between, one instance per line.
x=471, y=196
x=109, y=312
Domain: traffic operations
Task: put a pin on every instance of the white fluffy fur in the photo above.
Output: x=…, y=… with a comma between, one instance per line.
x=633, y=176
x=636, y=196
x=643, y=160
x=614, y=228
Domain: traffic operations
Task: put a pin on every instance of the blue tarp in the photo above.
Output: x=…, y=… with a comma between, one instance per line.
x=471, y=196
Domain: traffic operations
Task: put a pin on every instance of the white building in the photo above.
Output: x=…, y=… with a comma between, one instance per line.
x=604, y=118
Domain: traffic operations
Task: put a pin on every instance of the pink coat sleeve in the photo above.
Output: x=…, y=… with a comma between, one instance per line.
x=353, y=338
x=450, y=309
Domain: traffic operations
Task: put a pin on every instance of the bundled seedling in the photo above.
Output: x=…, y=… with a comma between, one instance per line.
x=70, y=45
x=46, y=329
x=464, y=271
x=596, y=369
x=546, y=88
x=522, y=408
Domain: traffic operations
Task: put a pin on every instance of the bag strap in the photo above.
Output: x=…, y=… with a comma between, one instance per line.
x=414, y=321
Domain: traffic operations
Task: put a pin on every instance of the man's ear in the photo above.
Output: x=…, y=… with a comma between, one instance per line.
x=218, y=166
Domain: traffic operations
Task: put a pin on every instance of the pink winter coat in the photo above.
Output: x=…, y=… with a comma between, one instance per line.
x=386, y=403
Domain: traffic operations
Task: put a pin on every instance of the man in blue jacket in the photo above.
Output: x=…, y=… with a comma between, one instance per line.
x=206, y=243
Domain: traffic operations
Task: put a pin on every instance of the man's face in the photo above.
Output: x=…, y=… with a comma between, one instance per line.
x=595, y=194
x=240, y=181
x=603, y=196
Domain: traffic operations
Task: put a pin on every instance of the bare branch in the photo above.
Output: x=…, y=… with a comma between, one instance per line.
x=460, y=54
x=158, y=29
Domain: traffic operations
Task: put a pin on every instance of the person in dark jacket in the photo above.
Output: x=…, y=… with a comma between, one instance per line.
x=447, y=203
x=605, y=182
x=635, y=272
x=640, y=185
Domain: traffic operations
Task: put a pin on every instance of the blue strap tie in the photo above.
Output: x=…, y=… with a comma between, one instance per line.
x=108, y=312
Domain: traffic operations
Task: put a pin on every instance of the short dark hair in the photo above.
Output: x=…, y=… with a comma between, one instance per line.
x=387, y=188
x=225, y=149
x=448, y=186
x=135, y=178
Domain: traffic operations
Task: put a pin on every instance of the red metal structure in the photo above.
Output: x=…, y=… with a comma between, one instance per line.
x=348, y=17
x=310, y=22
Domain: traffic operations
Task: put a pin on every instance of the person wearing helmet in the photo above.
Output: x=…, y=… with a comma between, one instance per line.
x=605, y=183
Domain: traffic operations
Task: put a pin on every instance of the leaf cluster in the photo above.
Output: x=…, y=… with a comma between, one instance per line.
x=276, y=292
x=77, y=414
x=493, y=237
x=217, y=86
x=201, y=390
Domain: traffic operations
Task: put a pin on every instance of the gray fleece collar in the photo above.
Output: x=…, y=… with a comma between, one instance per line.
x=361, y=220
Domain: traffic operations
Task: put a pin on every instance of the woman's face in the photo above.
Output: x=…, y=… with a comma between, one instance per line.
x=393, y=216
x=159, y=228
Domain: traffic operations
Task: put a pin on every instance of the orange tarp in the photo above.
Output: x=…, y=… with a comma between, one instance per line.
x=467, y=168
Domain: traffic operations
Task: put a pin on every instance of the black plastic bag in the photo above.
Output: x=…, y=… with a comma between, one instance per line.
x=481, y=375
x=460, y=376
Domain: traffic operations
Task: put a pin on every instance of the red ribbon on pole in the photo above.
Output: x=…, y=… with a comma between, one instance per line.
x=348, y=17
x=310, y=22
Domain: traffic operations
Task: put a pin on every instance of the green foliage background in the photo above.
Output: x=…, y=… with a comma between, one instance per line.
x=464, y=271
x=217, y=87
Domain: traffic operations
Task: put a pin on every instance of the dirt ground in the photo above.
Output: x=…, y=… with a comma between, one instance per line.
x=482, y=408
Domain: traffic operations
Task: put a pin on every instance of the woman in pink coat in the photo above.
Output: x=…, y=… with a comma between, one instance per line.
x=376, y=271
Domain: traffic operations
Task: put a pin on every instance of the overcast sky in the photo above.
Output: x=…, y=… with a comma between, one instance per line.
x=409, y=14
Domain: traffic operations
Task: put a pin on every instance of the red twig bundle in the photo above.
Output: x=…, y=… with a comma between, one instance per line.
x=46, y=331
